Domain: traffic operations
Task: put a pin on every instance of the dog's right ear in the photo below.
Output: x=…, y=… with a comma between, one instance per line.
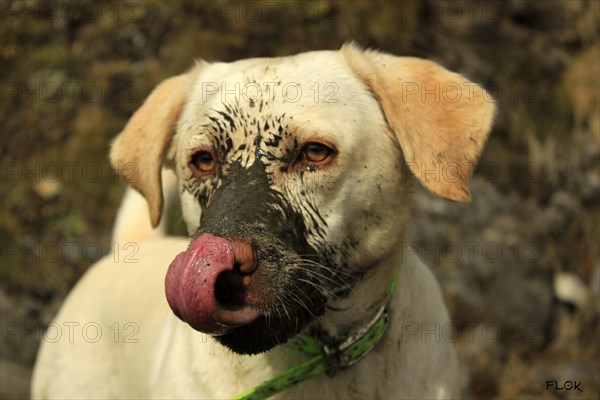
x=137, y=154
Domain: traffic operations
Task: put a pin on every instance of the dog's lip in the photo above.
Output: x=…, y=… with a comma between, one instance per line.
x=262, y=322
x=234, y=318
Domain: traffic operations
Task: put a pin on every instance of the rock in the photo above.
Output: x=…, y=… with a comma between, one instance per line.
x=569, y=288
x=565, y=202
x=553, y=219
x=508, y=227
x=48, y=188
x=590, y=186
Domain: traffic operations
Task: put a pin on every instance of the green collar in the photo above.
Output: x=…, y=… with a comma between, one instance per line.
x=327, y=355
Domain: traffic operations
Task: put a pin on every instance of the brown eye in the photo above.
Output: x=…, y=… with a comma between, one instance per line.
x=203, y=163
x=316, y=152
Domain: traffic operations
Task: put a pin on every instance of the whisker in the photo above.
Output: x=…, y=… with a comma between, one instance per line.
x=329, y=269
x=302, y=305
x=321, y=289
x=336, y=280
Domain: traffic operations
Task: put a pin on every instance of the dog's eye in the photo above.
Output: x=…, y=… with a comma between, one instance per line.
x=203, y=163
x=316, y=152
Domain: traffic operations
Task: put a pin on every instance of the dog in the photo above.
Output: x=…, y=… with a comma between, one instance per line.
x=295, y=177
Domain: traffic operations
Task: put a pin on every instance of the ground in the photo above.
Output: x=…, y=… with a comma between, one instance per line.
x=519, y=265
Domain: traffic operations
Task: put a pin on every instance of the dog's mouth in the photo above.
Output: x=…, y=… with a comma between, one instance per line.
x=216, y=288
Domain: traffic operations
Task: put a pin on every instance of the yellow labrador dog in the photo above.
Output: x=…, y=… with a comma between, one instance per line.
x=295, y=177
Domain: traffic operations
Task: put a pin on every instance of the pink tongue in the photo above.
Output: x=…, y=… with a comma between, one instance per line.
x=190, y=287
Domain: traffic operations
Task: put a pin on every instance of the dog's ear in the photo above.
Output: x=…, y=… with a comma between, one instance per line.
x=138, y=152
x=440, y=118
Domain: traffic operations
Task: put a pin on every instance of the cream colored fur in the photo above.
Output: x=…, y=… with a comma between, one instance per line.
x=132, y=224
x=381, y=134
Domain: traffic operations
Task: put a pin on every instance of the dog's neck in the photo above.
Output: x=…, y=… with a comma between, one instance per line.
x=343, y=316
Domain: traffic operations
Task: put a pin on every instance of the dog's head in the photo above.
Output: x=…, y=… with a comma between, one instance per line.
x=294, y=176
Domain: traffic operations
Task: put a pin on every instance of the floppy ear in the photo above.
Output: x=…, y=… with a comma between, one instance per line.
x=138, y=152
x=440, y=118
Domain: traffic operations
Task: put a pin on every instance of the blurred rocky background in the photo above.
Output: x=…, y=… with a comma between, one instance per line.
x=519, y=265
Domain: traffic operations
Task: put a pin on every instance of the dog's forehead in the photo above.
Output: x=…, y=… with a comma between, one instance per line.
x=305, y=68
x=312, y=88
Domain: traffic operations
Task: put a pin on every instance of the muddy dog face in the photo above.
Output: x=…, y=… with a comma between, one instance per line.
x=295, y=177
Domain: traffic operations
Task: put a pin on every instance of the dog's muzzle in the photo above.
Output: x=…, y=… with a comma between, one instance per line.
x=205, y=284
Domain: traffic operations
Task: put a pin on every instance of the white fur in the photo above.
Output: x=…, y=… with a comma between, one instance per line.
x=132, y=224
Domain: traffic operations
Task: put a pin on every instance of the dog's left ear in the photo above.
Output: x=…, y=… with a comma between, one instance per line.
x=440, y=118
x=137, y=154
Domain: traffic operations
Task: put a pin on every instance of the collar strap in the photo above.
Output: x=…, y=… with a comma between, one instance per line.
x=341, y=353
x=327, y=355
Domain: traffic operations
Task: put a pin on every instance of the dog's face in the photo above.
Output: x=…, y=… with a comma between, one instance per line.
x=300, y=179
x=305, y=164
